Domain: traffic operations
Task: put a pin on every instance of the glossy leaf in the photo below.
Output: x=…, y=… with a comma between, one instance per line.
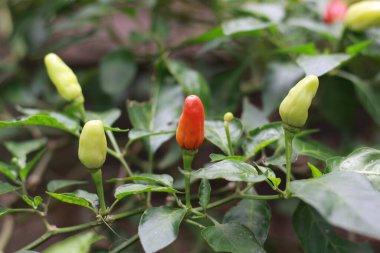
x=305, y=49
x=56, y=185
x=78, y=243
x=5, y=188
x=254, y=214
x=35, y=202
x=317, y=236
x=159, y=227
x=24, y=172
x=216, y=134
x=160, y=179
x=307, y=147
x=341, y=204
x=204, y=193
x=275, y=12
x=219, y=157
x=8, y=170
x=252, y=117
x=128, y=189
x=321, y=64
x=315, y=27
x=89, y=197
x=108, y=117
x=117, y=70
x=70, y=198
x=20, y=150
x=231, y=237
x=279, y=79
x=41, y=118
x=365, y=161
x=261, y=137
x=191, y=81
x=368, y=95
x=231, y=170
x=3, y=210
x=314, y=170
x=244, y=26
x=157, y=116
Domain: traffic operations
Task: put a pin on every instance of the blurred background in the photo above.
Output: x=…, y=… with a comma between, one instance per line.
x=245, y=53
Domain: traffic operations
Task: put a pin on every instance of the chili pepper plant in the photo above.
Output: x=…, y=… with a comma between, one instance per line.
x=266, y=140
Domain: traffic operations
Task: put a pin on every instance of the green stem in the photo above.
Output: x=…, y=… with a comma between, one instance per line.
x=150, y=170
x=195, y=223
x=50, y=233
x=227, y=130
x=289, y=136
x=218, y=202
x=126, y=244
x=98, y=180
x=261, y=197
x=187, y=157
x=117, y=153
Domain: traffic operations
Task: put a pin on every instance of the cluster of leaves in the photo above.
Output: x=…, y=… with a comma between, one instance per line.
x=274, y=45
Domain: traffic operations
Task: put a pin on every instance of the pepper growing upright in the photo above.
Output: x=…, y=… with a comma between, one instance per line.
x=190, y=131
x=190, y=135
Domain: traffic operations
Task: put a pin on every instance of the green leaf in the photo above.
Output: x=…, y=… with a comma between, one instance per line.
x=329, y=32
x=365, y=161
x=191, y=81
x=56, y=185
x=78, y=243
x=204, y=193
x=24, y=172
x=42, y=118
x=135, y=135
x=252, y=117
x=340, y=197
x=3, y=210
x=244, y=26
x=272, y=11
x=306, y=49
x=35, y=202
x=20, y=150
x=307, y=147
x=279, y=79
x=261, y=137
x=5, y=188
x=216, y=134
x=117, y=70
x=128, y=189
x=70, y=198
x=108, y=117
x=321, y=64
x=219, y=157
x=89, y=197
x=368, y=95
x=8, y=170
x=317, y=236
x=157, y=116
x=159, y=227
x=254, y=214
x=358, y=47
x=231, y=237
x=212, y=34
x=314, y=170
x=231, y=170
x=160, y=179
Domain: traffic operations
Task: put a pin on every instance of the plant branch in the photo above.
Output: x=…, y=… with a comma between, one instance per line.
x=125, y=244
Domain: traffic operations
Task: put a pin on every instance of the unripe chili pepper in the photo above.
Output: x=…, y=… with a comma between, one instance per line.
x=294, y=108
x=63, y=78
x=190, y=130
x=228, y=116
x=92, y=145
x=363, y=15
x=335, y=11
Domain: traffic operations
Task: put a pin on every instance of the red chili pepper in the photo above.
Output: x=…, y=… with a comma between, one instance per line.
x=335, y=11
x=190, y=130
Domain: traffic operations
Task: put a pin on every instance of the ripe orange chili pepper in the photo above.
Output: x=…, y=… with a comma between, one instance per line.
x=190, y=130
x=335, y=11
